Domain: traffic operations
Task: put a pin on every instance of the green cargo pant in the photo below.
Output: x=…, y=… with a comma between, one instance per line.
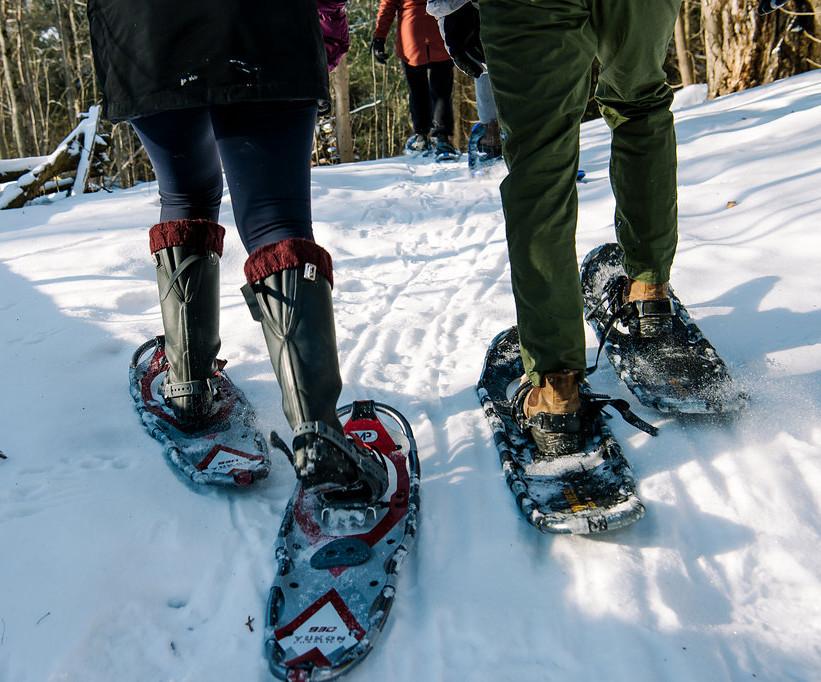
x=539, y=55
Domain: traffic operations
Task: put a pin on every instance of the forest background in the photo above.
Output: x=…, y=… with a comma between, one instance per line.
x=48, y=80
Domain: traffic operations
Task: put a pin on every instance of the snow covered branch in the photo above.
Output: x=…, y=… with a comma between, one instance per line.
x=73, y=155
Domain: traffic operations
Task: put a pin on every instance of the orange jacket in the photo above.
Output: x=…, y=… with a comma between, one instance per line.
x=418, y=40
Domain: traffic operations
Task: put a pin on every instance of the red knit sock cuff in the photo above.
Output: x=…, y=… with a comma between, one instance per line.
x=287, y=255
x=199, y=234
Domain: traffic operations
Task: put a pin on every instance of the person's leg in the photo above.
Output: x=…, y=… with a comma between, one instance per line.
x=186, y=245
x=485, y=141
x=266, y=152
x=186, y=163
x=635, y=101
x=539, y=57
x=418, y=98
x=440, y=84
x=485, y=106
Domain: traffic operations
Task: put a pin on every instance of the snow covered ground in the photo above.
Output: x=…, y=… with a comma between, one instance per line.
x=112, y=570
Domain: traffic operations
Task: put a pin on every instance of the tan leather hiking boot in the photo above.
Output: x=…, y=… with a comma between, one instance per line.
x=653, y=309
x=559, y=395
x=553, y=414
x=641, y=291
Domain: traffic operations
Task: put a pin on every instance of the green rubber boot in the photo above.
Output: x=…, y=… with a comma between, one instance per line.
x=289, y=293
x=187, y=253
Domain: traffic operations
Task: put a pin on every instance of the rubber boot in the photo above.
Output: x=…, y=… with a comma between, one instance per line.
x=187, y=253
x=289, y=293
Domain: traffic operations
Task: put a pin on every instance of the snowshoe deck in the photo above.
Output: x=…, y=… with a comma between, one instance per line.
x=337, y=567
x=591, y=492
x=229, y=451
x=678, y=373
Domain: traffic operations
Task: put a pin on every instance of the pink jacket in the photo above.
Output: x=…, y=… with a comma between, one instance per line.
x=334, y=23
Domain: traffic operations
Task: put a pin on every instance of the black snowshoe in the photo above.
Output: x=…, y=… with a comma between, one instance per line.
x=588, y=491
x=654, y=346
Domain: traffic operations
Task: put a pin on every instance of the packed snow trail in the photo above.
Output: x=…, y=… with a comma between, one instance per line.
x=114, y=569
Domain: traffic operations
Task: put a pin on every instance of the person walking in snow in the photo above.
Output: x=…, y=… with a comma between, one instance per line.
x=236, y=85
x=485, y=141
x=539, y=56
x=428, y=71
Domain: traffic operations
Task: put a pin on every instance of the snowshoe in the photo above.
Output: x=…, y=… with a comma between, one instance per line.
x=481, y=156
x=226, y=450
x=338, y=566
x=443, y=150
x=418, y=145
x=673, y=367
x=588, y=491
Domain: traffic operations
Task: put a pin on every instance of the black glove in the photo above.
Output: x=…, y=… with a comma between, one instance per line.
x=323, y=107
x=378, y=49
x=461, y=32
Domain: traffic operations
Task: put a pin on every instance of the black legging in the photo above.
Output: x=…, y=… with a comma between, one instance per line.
x=265, y=148
x=429, y=97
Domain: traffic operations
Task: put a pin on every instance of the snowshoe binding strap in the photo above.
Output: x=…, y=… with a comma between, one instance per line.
x=596, y=402
x=181, y=389
x=643, y=319
x=343, y=472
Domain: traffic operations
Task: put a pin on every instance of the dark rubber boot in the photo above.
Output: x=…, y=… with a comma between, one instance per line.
x=186, y=253
x=289, y=293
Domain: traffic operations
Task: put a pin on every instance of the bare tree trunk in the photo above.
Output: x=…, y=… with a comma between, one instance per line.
x=70, y=78
x=382, y=122
x=685, y=58
x=29, y=94
x=4, y=147
x=342, y=102
x=745, y=49
x=16, y=105
x=76, y=54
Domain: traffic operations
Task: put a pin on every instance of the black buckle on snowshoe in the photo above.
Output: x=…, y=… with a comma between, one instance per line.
x=654, y=308
x=337, y=490
x=556, y=423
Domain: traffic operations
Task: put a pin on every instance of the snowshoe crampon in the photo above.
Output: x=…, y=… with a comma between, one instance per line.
x=226, y=450
x=679, y=371
x=591, y=491
x=337, y=567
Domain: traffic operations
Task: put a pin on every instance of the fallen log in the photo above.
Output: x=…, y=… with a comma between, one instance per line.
x=74, y=153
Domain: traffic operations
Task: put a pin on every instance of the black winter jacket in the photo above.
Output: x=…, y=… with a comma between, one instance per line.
x=155, y=55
